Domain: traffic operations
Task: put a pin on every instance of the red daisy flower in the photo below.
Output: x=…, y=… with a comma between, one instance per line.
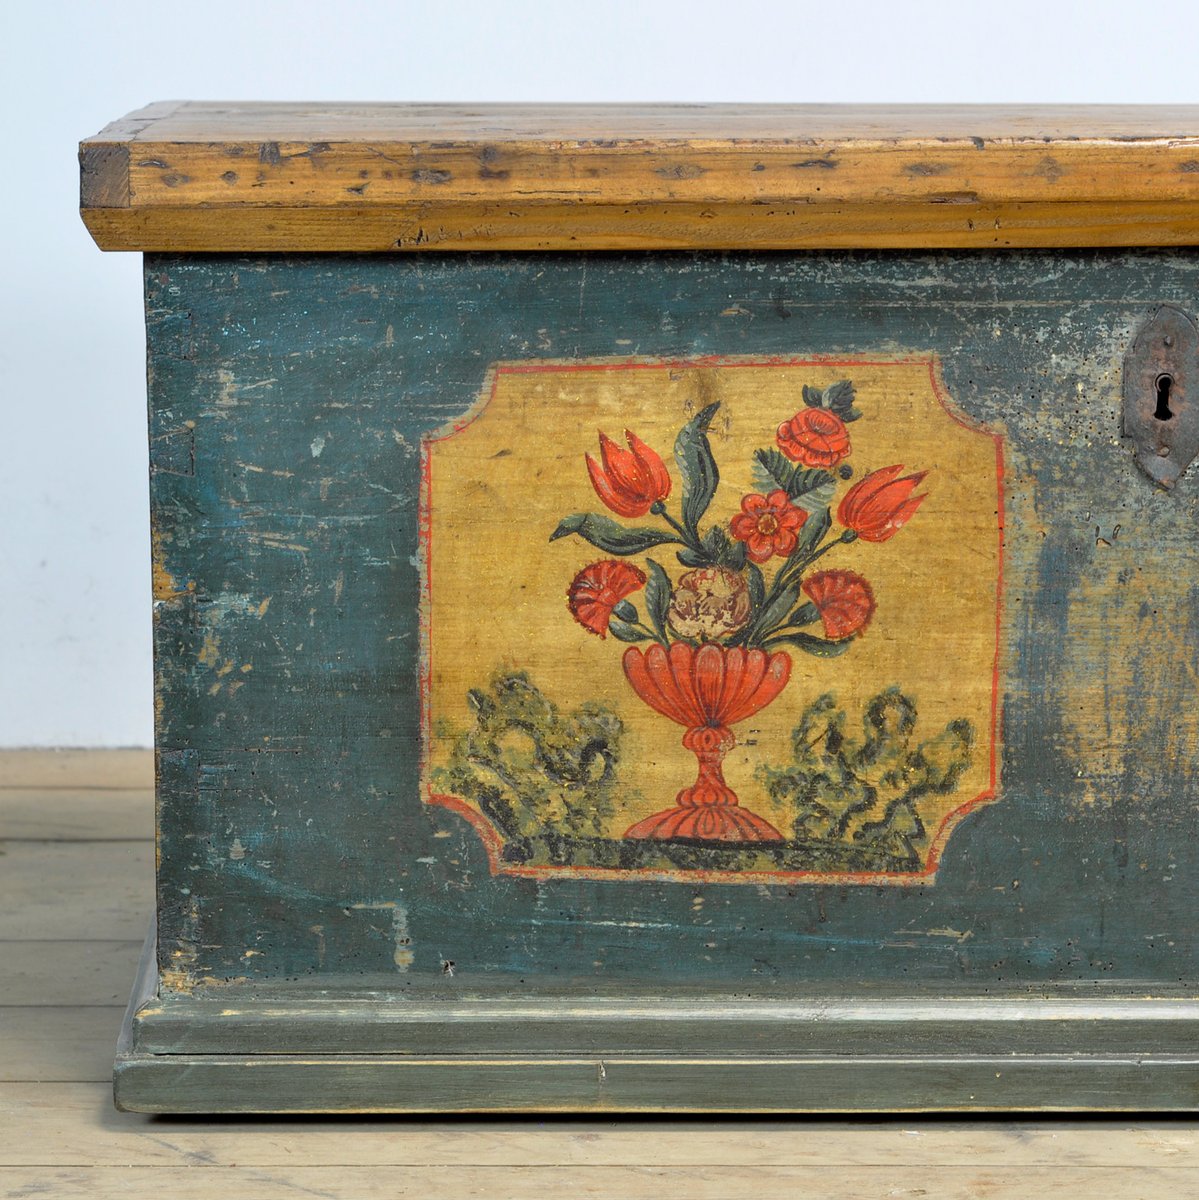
x=768, y=525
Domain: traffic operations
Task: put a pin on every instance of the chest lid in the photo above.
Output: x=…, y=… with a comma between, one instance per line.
x=197, y=176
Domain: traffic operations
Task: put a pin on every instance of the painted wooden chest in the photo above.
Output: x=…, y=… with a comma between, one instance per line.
x=672, y=608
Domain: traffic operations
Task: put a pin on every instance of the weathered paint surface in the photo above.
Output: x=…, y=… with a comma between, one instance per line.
x=289, y=397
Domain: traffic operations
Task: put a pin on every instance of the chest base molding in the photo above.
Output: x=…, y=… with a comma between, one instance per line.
x=357, y=1048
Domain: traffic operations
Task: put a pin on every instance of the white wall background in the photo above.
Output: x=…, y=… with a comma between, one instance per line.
x=74, y=559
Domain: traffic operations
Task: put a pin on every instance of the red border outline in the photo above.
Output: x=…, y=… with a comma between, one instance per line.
x=493, y=844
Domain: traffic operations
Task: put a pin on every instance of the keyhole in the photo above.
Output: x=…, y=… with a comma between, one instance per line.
x=1164, y=384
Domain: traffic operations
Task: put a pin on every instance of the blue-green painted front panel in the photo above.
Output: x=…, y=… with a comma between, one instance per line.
x=294, y=842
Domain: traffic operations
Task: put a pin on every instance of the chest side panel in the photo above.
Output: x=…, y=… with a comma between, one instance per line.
x=400, y=735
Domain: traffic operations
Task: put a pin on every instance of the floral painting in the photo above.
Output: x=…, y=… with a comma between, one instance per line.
x=740, y=563
x=718, y=634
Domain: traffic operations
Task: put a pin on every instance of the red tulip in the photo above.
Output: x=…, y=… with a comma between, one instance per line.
x=631, y=480
x=843, y=599
x=596, y=590
x=768, y=525
x=814, y=437
x=878, y=507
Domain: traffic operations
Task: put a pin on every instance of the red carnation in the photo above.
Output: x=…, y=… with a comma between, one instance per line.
x=596, y=590
x=815, y=437
x=843, y=599
x=878, y=507
x=768, y=525
x=629, y=481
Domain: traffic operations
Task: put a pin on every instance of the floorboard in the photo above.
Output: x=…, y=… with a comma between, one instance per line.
x=73, y=815
x=75, y=1125
x=75, y=973
x=76, y=891
x=93, y=769
x=58, y=1045
x=200, y=1182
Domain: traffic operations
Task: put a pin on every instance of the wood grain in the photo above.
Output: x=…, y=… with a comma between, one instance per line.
x=91, y=769
x=64, y=891
x=465, y=227
x=72, y=814
x=204, y=121
x=76, y=1044
x=73, y=973
x=197, y=176
x=631, y=1183
x=73, y=1125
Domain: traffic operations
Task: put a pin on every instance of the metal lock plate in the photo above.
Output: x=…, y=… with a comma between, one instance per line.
x=1160, y=375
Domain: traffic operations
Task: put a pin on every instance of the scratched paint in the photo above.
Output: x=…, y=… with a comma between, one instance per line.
x=305, y=568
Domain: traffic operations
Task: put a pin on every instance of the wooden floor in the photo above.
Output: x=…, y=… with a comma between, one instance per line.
x=76, y=863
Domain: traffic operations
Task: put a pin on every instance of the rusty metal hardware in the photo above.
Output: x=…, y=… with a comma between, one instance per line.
x=1161, y=394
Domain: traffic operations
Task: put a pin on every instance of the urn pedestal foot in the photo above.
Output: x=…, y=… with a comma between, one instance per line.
x=707, y=811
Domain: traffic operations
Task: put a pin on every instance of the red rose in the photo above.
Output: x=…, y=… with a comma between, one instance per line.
x=843, y=599
x=596, y=590
x=815, y=437
x=878, y=507
x=629, y=481
x=768, y=525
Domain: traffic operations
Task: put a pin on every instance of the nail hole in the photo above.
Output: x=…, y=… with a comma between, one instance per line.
x=1164, y=384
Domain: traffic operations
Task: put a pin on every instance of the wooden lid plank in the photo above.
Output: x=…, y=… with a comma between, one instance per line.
x=191, y=176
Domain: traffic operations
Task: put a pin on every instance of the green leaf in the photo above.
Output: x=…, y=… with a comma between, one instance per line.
x=839, y=398
x=810, y=644
x=624, y=632
x=772, y=470
x=610, y=537
x=657, y=598
x=715, y=549
x=626, y=610
x=697, y=467
x=819, y=491
x=812, y=486
x=734, y=556
x=776, y=611
x=716, y=543
x=839, y=395
x=757, y=585
x=805, y=614
x=812, y=533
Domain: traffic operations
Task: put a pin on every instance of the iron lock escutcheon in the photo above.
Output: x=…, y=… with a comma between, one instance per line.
x=1161, y=402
